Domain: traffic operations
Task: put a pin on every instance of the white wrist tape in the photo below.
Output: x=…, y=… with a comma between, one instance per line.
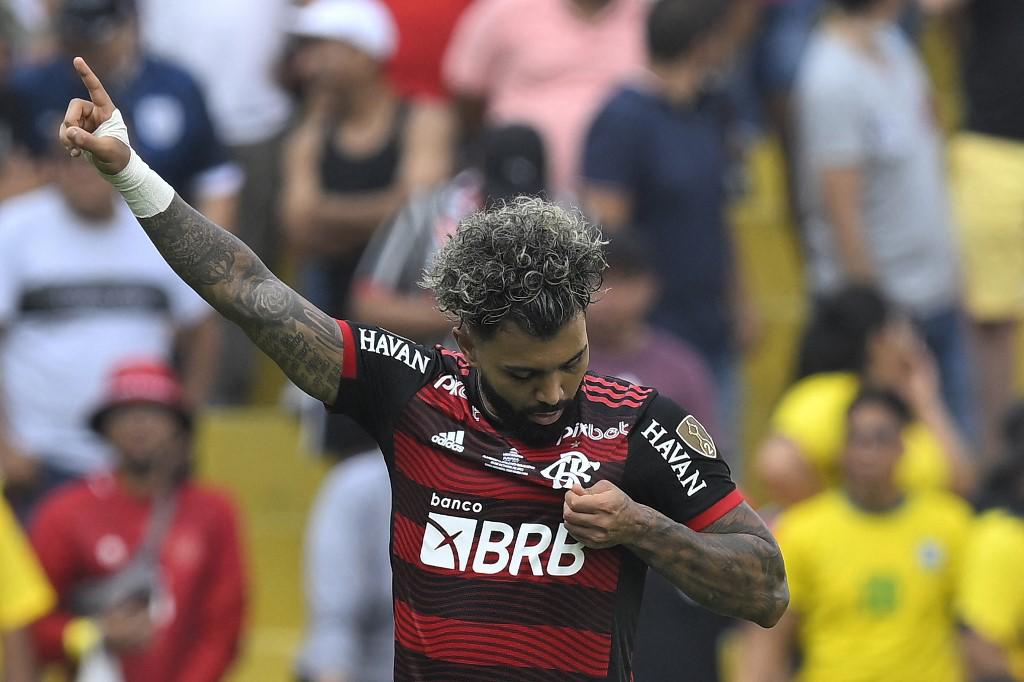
x=145, y=192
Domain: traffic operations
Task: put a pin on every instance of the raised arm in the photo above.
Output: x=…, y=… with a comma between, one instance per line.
x=305, y=342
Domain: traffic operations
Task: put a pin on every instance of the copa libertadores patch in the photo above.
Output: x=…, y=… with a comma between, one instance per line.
x=697, y=437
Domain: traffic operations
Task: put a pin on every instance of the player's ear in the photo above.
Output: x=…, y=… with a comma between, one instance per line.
x=467, y=344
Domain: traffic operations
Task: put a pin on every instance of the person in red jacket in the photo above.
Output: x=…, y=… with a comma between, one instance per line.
x=146, y=563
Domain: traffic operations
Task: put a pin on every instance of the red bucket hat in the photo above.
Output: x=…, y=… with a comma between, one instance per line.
x=144, y=382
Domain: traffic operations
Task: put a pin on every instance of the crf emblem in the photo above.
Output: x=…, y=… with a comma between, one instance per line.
x=572, y=468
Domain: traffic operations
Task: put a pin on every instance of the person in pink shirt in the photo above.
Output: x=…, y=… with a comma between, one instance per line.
x=547, y=63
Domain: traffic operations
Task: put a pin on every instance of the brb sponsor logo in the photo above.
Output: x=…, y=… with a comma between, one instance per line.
x=489, y=547
x=592, y=432
x=571, y=468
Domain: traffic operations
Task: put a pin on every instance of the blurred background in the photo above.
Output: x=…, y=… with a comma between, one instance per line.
x=805, y=199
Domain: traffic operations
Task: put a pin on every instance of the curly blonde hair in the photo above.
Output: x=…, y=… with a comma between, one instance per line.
x=528, y=261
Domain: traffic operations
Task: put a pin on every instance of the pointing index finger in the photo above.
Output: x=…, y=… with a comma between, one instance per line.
x=97, y=93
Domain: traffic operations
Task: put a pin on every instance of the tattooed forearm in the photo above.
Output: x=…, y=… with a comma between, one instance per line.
x=734, y=567
x=304, y=341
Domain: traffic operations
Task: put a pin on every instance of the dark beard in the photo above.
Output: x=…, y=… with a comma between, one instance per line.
x=517, y=423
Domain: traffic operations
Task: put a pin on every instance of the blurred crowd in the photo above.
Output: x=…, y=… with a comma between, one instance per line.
x=343, y=140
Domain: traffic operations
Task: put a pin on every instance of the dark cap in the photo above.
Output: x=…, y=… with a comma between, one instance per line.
x=513, y=163
x=90, y=20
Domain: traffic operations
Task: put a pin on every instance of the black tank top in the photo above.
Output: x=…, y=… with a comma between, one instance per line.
x=341, y=173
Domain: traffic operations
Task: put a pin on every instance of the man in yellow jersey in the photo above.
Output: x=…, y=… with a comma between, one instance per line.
x=872, y=569
x=992, y=590
x=24, y=596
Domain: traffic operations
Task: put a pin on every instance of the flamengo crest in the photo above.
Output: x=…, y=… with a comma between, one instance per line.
x=570, y=469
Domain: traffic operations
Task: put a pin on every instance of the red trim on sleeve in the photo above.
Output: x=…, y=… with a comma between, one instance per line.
x=716, y=511
x=348, y=361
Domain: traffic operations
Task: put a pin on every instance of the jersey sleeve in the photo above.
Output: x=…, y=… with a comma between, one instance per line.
x=675, y=467
x=991, y=593
x=380, y=372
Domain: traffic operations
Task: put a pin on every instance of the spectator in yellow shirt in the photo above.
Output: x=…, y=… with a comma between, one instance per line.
x=854, y=340
x=992, y=590
x=24, y=596
x=872, y=569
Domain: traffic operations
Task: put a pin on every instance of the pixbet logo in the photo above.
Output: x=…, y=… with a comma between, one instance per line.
x=490, y=547
x=446, y=382
x=571, y=468
x=594, y=433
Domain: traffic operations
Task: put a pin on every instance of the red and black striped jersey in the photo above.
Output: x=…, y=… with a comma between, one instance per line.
x=488, y=584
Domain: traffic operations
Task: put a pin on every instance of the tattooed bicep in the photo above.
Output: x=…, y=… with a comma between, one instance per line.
x=304, y=341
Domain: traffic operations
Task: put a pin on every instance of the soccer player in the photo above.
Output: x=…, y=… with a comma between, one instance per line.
x=506, y=566
x=873, y=570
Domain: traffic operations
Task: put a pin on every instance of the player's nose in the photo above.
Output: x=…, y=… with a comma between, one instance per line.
x=549, y=391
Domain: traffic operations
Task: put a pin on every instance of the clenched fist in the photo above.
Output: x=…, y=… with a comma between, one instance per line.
x=602, y=515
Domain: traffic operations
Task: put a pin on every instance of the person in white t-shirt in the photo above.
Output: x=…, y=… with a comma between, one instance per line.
x=81, y=290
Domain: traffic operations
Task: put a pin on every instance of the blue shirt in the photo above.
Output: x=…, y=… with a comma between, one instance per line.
x=166, y=114
x=672, y=162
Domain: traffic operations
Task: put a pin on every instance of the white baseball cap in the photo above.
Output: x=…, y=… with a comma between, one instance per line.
x=364, y=24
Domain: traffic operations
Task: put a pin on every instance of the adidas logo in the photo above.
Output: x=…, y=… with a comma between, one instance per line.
x=450, y=439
